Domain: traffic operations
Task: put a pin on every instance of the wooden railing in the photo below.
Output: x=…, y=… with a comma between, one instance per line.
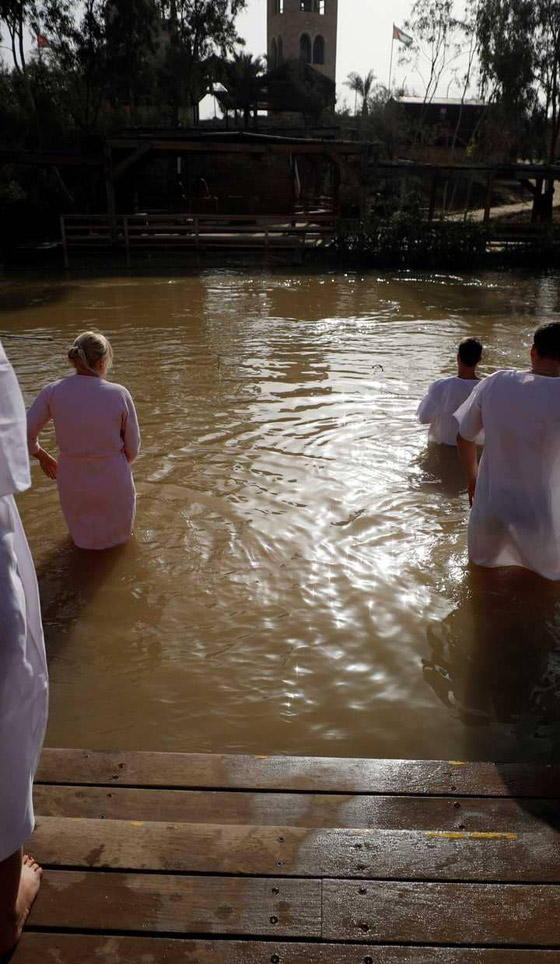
x=241, y=231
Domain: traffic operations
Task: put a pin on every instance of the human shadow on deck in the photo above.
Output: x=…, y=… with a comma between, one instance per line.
x=495, y=662
x=69, y=579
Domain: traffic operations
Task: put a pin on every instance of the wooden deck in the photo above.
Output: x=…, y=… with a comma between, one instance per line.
x=207, y=859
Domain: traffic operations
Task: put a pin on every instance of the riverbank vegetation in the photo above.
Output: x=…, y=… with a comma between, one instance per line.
x=405, y=240
x=104, y=66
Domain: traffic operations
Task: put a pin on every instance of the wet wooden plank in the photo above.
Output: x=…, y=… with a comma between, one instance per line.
x=328, y=774
x=153, y=903
x=87, y=949
x=516, y=914
x=295, y=809
x=296, y=851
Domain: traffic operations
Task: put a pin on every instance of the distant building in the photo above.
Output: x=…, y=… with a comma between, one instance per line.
x=304, y=30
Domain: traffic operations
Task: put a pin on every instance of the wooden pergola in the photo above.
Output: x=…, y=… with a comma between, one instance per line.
x=123, y=152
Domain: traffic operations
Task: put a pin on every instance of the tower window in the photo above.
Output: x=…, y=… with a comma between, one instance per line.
x=312, y=6
x=278, y=6
x=319, y=50
x=305, y=48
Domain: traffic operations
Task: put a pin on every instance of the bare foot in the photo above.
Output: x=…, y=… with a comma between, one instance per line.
x=29, y=884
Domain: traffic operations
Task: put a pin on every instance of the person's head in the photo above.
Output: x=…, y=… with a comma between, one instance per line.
x=91, y=354
x=470, y=352
x=546, y=343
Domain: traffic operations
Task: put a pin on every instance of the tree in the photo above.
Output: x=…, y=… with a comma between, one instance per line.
x=520, y=61
x=197, y=31
x=468, y=26
x=130, y=44
x=241, y=78
x=436, y=33
x=14, y=17
x=362, y=87
x=77, y=53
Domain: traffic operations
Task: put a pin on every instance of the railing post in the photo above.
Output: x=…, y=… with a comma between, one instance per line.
x=126, y=240
x=64, y=244
x=433, y=197
x=488, y=201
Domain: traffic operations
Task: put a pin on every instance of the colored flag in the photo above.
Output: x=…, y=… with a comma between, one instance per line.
x=42, y=41
x=399, y=34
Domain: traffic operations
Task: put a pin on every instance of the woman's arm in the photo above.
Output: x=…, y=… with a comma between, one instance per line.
x=130, y=431
x=37, y=417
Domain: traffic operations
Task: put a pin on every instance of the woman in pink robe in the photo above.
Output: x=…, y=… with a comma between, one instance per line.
x=98, y=439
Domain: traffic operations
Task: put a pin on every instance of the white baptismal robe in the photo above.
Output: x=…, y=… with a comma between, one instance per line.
x=23, y=667
x=438, y=406
x=515, y=519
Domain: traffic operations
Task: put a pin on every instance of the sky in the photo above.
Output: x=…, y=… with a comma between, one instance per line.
x=364, y=39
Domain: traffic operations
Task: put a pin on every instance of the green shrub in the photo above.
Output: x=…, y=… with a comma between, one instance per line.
x=405, y=240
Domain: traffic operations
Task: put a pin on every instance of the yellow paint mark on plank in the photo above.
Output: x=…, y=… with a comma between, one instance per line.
x=494, y=836
x=447, y=834
x=475, y=835
x=136, y=823
x=256, y=757
x=457, y=763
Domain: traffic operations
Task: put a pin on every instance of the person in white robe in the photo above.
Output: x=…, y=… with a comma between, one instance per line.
x=515, y=491
x=23, y=671
x=437, y=408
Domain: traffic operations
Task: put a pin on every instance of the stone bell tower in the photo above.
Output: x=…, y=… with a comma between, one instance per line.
x=303, y=30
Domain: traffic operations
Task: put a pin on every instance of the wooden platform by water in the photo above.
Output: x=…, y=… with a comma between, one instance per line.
x=206, y=859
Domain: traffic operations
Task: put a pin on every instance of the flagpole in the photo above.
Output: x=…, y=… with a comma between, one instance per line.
x=391, y=60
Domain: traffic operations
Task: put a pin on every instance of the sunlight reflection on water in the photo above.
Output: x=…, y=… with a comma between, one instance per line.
x=298, y=578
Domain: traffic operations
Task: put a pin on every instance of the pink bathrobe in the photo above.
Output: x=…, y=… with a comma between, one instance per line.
x=98, y=438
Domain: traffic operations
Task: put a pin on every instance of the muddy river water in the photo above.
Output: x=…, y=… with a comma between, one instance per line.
x=298, y=578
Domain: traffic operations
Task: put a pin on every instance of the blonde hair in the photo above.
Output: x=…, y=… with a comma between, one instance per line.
x=89, y=349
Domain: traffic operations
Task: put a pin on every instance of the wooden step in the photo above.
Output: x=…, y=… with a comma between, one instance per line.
x=153, y=857
x=383, y=812
x=53, y=948
x=296, y=851
x=304, y=774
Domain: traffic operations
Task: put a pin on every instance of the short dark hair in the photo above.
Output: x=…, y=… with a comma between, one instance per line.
x=470, y=351
x=547, y=340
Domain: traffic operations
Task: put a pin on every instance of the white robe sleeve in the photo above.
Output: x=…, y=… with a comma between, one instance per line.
x=469, y=415
x=23, y=668
x=430, y=405
x=14, y=461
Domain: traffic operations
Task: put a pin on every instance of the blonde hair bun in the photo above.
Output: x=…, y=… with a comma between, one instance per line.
x=91, y=353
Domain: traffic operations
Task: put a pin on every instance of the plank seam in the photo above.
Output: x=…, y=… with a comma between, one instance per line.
x=220, y=788
x=80, y=868
x=267, y=938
